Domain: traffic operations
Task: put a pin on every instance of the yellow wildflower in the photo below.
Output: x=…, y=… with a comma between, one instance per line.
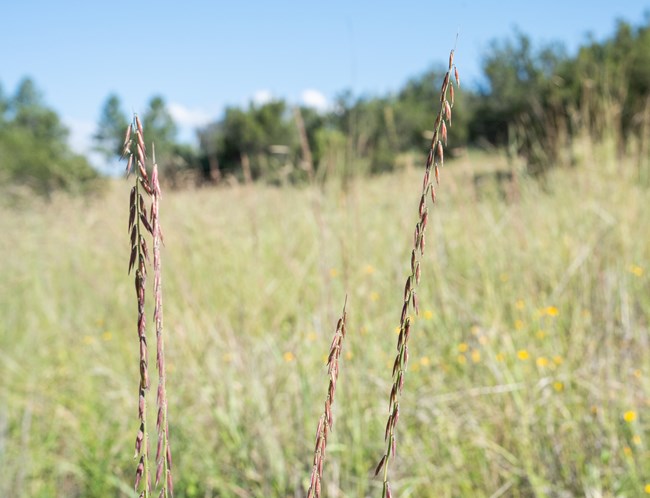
x=374, y=296
x=551, y=311
x=523, y=355
x=288, y=356
x=425, y=361
x=635, y=270
x=558, y=386
x=428, y=314
x=629, y=416
x=463, y=347
x=476, y=356
x=542, y=362
x=519, y=304
x=107, y=336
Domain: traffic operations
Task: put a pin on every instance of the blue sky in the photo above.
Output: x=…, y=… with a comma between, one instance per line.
x=204, y=55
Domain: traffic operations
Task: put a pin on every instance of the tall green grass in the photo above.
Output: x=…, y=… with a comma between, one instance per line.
x=530, y=362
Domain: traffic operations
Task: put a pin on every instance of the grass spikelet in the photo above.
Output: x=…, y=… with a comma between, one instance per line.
x=326, y=420
x=410, y=302
x=142, y=223
x=163, y=449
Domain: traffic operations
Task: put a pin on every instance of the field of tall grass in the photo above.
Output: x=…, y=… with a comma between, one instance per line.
x=529, y=370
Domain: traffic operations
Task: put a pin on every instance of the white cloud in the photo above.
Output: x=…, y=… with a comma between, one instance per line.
x=186, y=117
x=315, y=99
x=261, y=97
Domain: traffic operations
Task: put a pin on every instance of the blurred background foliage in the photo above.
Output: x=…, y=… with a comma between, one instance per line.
x=536, y=101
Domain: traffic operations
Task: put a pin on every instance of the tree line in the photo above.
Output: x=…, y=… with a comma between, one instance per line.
x=534, y=100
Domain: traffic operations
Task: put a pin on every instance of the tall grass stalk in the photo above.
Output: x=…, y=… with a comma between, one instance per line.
x=435, y=159
x=163, y=450
x=326, y=420
x=139, y=225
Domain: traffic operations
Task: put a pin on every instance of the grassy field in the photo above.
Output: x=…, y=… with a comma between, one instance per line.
x=530, y=360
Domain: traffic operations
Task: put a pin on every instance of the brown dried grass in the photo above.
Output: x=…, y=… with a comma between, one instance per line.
x=435, y=160
x=326, y=420
x=139, y=225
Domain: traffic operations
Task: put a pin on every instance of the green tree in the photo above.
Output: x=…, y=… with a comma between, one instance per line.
x=33, y=146
x=160, y=129
x=259, y=141
x=112, y=125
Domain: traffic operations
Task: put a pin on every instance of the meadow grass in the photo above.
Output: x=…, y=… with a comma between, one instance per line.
x=530, y=359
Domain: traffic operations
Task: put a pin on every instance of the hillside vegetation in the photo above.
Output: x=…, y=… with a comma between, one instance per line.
x=530, y=359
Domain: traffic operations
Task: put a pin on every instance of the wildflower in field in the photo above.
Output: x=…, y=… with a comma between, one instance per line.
x=374, y=296
x=463, y=347
x=542, y=362
x=288, y=357
x=523, y=355
x=557, y=359
x=519, y=304
x=519, y=324
x=107, y=336
x=647, y=489
x=637, y=373
x=427, y=315
x=629, y=416
x=558, y=386
x=425, y=361
x=635, y=270
x=628, y=451
x=333, y=272
x=551, y=311
x=369, y=269
x=476, y=356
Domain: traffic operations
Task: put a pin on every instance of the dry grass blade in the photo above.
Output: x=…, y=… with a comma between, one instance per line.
x=163, y=450
x=326, y=420
x=139, y=255
x=434, y=161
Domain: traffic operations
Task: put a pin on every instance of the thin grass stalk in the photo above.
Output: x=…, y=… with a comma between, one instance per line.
x=327, y=420
x=163, y=449
x=134, y=150
x=435, y=160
